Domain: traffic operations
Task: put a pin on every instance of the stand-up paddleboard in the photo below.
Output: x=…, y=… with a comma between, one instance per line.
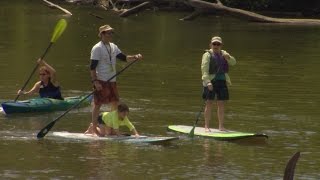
x=130, y=139
x=215, y=133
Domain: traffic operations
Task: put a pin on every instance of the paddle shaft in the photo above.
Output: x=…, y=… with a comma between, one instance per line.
x=46, y=129
x=191, y=134
x=291, y=165
x=33, y=71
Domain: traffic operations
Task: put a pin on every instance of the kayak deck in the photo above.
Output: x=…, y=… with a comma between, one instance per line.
x=215, y=133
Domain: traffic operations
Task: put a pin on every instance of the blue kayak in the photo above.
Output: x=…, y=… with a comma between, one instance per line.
x=43, y=104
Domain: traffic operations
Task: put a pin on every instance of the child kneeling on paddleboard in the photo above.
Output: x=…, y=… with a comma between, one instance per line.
x=109, y=122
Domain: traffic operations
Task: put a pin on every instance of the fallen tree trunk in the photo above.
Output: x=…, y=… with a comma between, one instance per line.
x=202, y=7
x=251, y=16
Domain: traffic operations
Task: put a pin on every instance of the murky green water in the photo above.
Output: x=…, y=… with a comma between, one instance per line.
x=275, y=91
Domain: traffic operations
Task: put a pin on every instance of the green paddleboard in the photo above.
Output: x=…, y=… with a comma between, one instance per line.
x=215, y=133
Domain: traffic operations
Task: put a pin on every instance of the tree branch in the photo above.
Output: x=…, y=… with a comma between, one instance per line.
x=50, y=4
x=135, y=9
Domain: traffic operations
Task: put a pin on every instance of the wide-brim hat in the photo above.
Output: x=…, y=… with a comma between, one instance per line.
x=104, y=28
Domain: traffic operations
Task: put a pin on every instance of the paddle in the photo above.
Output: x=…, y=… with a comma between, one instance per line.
x=191, y=134
x=47, y=128
x=58, y=30
x=291, y=165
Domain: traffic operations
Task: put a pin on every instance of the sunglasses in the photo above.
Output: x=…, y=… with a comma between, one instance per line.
x=216, y=44
x=108, y=32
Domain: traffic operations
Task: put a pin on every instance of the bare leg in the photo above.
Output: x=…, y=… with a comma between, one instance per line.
x=89, y=130
x=92, y=129
x=114, y=105
x=109, y=131
x=207, y=115
x=220, y=113
x=101, y=130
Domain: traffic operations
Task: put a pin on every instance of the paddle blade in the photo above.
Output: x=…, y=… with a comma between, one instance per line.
x=191, y=134
x=45, y=130
x=58, y=30
x=291, y=165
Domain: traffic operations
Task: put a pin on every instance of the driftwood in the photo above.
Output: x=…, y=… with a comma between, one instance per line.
x=203, y=6
x=50, y=4
x=95, y=15
x=135, y=9
x=192, y=16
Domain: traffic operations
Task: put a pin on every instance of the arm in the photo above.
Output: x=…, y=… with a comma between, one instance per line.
x=131, y=127
x=134, y=57
x=129, y=58
x=205, y=68
x=230, y=59
x=33, y=90
x=51, y=70
x=135, y=132
x=93, y=74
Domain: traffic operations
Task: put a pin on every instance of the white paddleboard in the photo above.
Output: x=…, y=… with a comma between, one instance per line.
x=132, y=139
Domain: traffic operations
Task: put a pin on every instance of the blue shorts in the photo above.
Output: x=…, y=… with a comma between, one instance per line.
x=220, y=89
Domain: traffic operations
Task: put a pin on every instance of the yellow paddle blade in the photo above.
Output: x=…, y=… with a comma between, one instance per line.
x=58, y=30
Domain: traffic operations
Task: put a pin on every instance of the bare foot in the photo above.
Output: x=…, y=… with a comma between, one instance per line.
x=222, y=129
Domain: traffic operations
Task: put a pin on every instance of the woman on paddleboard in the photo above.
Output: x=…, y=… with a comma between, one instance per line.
x=109, y=122
x=214, y=67
x=48, y=86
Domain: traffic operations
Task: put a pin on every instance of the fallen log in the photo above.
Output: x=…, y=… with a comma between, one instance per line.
x=251, y=16
x=135, y=9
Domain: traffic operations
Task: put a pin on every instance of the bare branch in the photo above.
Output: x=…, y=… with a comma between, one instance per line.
x=50, y=4
x=135, y=9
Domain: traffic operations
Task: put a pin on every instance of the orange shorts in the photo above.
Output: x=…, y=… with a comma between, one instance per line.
x=108, y=93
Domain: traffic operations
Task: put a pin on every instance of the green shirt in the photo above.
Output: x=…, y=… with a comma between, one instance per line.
x=206, y=77
x=112, y=120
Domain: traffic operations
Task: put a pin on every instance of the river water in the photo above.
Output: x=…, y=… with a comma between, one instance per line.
x=275, y=91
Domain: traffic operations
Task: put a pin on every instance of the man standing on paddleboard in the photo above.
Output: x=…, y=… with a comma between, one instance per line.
x=102, y=67
x=214, y=67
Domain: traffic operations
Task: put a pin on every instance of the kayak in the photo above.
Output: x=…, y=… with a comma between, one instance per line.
x=216, y=134
x=128, y=139
x=43, y=104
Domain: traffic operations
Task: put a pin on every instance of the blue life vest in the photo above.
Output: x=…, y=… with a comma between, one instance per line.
x=50, y=91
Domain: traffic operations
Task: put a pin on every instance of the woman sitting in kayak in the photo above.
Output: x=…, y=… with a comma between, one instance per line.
x=109, y=122
x=48, y=86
